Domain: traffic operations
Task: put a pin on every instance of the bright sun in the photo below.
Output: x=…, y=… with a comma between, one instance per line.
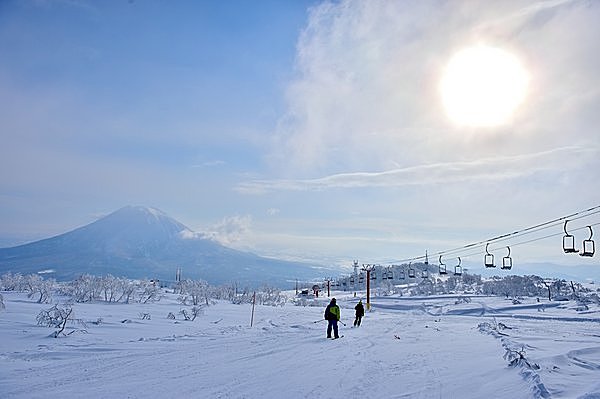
x=483, y=86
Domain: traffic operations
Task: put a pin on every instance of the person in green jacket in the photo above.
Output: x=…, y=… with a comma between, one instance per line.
x=332, y=315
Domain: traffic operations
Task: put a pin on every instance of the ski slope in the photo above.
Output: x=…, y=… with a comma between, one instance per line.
x=407, y=347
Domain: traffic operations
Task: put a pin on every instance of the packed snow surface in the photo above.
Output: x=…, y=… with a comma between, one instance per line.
x=407, y=347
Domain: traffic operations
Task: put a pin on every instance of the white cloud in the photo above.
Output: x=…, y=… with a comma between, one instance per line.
x=229, y=230
x=498, y=168
x=273, y=211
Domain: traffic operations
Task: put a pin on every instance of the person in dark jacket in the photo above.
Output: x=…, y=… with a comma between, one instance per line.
x=332, y=315
x=360, y=312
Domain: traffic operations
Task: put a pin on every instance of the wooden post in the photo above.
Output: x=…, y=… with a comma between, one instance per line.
x=253, y=302
x=549, y=293
x=328, y=288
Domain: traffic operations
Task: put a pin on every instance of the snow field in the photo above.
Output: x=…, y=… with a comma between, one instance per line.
x=407, y=347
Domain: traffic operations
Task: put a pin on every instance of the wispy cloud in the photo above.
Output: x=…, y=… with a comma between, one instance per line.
x=210, y=164
x=497, y=168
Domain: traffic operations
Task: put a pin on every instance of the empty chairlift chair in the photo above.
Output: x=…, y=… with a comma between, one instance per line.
x=507, y=261
x=488, y=259
x=402, y=274
x=390, y=274
x=442, y=267
x=588, y=246
x=458, y=268
x=411, y=271
x=568, y=241
x=373, y=275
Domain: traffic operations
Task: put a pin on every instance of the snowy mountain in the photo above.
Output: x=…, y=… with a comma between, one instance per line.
x=141, y=242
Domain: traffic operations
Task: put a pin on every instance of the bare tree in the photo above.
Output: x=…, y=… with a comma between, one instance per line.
x=194, y=292
x=148, y=292
x=38, y=287
x=57, y=317
x=12, y=282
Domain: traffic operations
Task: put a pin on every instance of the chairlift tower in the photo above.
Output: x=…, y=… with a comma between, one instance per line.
x=368, y=268
x=355, y=265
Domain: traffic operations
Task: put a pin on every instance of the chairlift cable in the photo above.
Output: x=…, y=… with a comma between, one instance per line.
x=466, y=255
x=528, y=230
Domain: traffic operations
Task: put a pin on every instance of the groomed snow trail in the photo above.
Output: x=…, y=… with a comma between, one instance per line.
x=404, y=353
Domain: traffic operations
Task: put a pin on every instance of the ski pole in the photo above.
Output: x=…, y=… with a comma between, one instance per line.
x=318, y=321
x=342, y=322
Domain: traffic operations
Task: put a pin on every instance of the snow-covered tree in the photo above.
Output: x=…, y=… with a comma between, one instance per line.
x=270, y=296
x=12, y=282
x=57, y=317
x=85, y=288
x=194, y=292
x=38, y=288
x=148, y=292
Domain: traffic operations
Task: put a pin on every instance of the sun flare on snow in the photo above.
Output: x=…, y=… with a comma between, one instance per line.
x=483, y=86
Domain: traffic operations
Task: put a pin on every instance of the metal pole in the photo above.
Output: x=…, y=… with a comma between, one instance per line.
x=328, y=289
x=368, y=268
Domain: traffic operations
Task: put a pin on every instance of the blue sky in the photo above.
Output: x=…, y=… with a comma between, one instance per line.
x=298, y=129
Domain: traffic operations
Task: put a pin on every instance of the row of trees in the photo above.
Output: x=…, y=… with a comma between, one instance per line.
x=89, y=288
x=110, y=289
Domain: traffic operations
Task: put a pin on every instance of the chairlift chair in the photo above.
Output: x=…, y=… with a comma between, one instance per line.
x=390, y=274
x=352, y=280
x=361, y=278
x=488, y=259
x=568, y=241
x=425, y=274
x=507, y=261
x=458, y=268
x=588, y=246
x=411, y=271
x=442, y=267
x=402, y=274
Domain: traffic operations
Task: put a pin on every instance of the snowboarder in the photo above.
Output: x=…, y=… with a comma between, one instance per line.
x=360, y=312
x=332, y=315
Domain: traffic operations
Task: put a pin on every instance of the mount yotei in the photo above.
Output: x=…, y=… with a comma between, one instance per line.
x=141, y=242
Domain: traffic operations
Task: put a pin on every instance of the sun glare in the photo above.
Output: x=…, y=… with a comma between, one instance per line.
x=483, y=86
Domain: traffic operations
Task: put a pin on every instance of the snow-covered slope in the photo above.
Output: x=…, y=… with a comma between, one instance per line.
x=141, y=242
x=407, y=347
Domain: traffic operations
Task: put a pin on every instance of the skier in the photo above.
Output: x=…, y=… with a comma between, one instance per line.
x=332, y=315
x=360, y=312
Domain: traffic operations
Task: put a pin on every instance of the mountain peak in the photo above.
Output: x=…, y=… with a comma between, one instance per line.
x=138, y=242
x=141, y=210
x=139, y=221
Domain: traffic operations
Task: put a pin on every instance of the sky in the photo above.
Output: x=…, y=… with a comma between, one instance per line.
x=302, y=129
